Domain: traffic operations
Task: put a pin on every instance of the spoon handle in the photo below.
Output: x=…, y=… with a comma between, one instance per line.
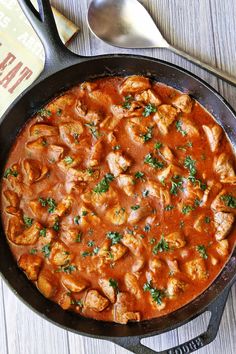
x=221, y=74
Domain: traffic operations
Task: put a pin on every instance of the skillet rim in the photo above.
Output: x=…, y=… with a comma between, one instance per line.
x=188, y=318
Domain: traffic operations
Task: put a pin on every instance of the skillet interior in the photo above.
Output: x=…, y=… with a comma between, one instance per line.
x=38, y=96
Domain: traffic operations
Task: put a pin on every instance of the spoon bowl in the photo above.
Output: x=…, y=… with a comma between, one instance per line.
x=127, y=24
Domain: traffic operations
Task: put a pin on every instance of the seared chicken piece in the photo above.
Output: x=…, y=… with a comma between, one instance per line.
x=96, y=154
x=222, y=202
x=121, y=312
x=164, y=117
x=173, y=265
x=223, y=248
x=214, y=135
x=80, y=176
x=139, y=214
x=117, y=251
x=39, y=130
x=31, y=264
x=132, y=285
x=29, y=236
x=148, y=96
x=64, y=206
x=12, y=198
x=135, y=84
x=133, y=243
x=65, y=301
x=102, y=200
x=89, y=86
x=138, y=264
x=100, y=97
x=47, y=283
x=167, y=154
x=223, y=166
x=188, y=126
x=223, y=224
x=62, y=102
x=38, y=145
x=88, y=217
x=175, y=239
x=95, y=301
x=60, y=254
x=135, y=109
x=107, y=289
x=175, y=286
x=69, y=132
x=196, y=269
x=184, y=103
x=126, y=182
x=55, y=152
x=73, y=283
x=116, y=215
x=156, y=265
x=136, y=131
x=117, y=163
x=34, y=171
x=110, y=122
x=199, y=223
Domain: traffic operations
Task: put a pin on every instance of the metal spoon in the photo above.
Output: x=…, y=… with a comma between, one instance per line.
x=127, y=24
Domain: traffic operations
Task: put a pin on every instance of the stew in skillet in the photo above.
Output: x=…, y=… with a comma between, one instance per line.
x=119, y=199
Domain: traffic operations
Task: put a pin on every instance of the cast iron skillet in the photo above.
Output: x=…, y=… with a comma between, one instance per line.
x=64, y=69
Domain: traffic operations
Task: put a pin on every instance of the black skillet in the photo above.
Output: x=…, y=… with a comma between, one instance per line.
x=64, y=69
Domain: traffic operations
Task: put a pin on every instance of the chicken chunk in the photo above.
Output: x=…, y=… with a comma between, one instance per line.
x=47, y=283
x=107, y=289
x=199, y=223
x=31, y=264
x=116, y=215
x=69, y=132
x=222, y=202
x=100, y=200
x=136, y=131
x=223, y=224
x=175, y=239
x=214, y=135
x=134, y=109
x=34, y=171
x=138, y=264
x=196, y=269
x=156, y=265
x=95, y=301
x=110, y=122
x=148, y=96
x=139, y=214
x=173, y=265
x=62, y=102
x=189, y=127
x=164, y=117
x=222, y=248
x=133, y=243
x=88, y=217
x=80, y=176
x=167, y=154
x=117, y=163
x=43, y=130
x=135, y=84
x=132, y=285
x=37, y=145
x=55, y=152
x=121, y=311
x=65, y=301
x=117, y=251
x=223, y=166
x=59, y=254
x=73, y=283
x=12, y=198
x=175, y=286
x=126, y=183
x=96, y=154
x=29, y=236
x=184, y=103
x=64, y=206
x=14, y=228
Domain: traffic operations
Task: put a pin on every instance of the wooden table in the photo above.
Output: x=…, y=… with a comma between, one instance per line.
x=206, y=29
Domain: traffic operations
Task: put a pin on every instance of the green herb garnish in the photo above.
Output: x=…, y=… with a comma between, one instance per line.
x=202, y=251
x=127, y=102
x=153, y=162
x=158, y=145
x=176, y=184
x=162, y=246
x=28, y=221
x=229, y=200
x=114, y=236
x=10, y=172
x=148, y=135
x=179, y=128
x=68, y=160
x=114, y=284
x=157, y=295
x=135, y=207
x=44, y=112
x=46, y=250
x=103, y=185
x=140, y=175
x=149, y=109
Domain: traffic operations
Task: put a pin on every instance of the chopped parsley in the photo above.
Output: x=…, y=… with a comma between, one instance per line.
x=158, y=145
x=114, y=284
x=103, y=185
x=90, y=243
x=46, y=250
x=84, y=213
x=148, y=135
x=207, y=219
x=147, y=228
x=59, y=112
x=187, y=208
x=28, y=221
x=114, y=236
x=197, y=202
x=68, y=160
x=162, y=246
x=149, y=109
x=189, y=163
x=77, y=303
x=140, y=175
x=50, y=202
x=169, y=207
x=33, y=251
x=202, y=251
x=229, y=200
x=43, y=232
x=145, y=193
x=152, y=241
x=176, y=184
x=93, y=129
x=96, y=250
x=44, y=112
x=127, y=102
x=56, y=225
x=44, y=142
x=135, y=207
x=181, y=224
x=77, y=219
x=68, y=269
x=116, y=147
x=153, y=162
x=79, y=237
x=86, y=254
x=10, y=172
x=156, y=294
x=179, y=128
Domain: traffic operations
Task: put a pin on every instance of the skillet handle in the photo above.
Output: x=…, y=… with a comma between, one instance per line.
x=57, y=56
x=216, y=308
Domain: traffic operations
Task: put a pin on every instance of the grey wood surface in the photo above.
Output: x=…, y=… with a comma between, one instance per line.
x=206, y=29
